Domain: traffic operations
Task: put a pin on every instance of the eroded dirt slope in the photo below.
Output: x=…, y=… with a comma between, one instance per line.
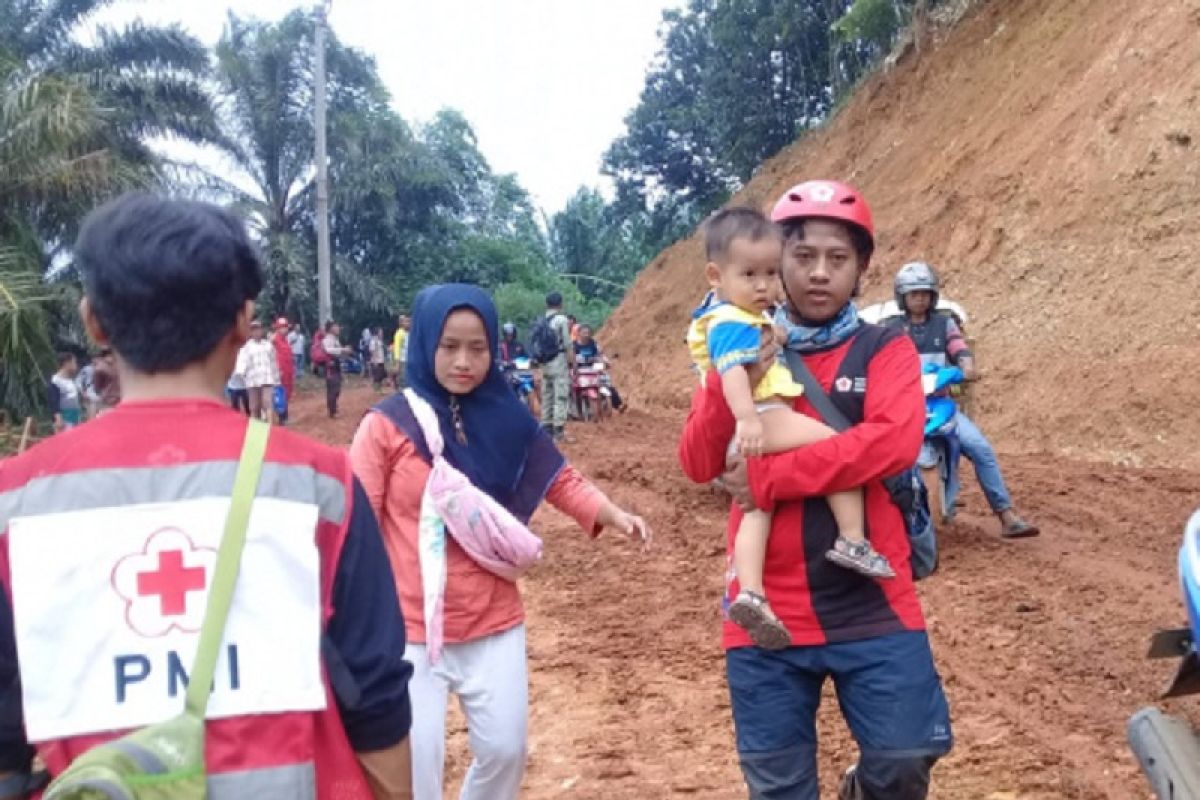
x=1046, y=157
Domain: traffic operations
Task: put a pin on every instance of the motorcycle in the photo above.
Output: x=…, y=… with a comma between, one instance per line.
x=1167, y=747
x=591, y=392
x=520, y=377
x=940, y=451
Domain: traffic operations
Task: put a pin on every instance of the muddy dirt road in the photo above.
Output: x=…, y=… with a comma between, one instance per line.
x=1040, y=642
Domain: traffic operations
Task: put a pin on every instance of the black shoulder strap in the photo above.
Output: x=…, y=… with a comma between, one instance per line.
x=815, y=393
x=870, y=338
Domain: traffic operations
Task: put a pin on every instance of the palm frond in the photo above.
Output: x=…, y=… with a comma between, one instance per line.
x=49, y=24
x=26, y=352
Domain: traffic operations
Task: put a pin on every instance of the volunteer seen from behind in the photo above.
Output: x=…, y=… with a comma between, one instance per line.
x=110, y=537
x=466, y=623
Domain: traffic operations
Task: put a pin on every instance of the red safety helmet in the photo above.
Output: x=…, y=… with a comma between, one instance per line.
x=827, y=200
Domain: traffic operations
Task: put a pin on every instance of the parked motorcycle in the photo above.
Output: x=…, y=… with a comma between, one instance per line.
x=940, y=451
x=1167, y=747
x=591, y=392
x=520, y=377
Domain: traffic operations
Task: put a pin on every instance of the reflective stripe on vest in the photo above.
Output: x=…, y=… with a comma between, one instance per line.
x=119, y=486
x=290, y=782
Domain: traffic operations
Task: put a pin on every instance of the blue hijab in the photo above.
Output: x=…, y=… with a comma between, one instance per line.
x=507, y=454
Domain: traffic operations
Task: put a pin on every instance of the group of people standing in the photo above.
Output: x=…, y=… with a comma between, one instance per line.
x=410, y=605
x=74, y=395
x=264, y=374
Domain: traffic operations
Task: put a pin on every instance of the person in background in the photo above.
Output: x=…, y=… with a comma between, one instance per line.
x=940, y=342
x=364, y=349
x=378, y=357
x=287, y=367
x=400, y=350
x=510, y=346
x=574, y=328
x=335, y=351
x=317, y=356
x=261, y=373
x=297, y=342
x=63, y=394
x=86, y=382
x=587, y=352
x=556, y=358
x=235, y=387
x=106, y=382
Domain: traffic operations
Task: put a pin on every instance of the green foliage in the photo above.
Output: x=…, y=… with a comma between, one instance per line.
x=26, y=352
x=734, y=82
x=875, y=21
x=75, y=117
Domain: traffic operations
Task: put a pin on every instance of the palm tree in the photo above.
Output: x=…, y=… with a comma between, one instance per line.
x=266, y=76
x=76, y=122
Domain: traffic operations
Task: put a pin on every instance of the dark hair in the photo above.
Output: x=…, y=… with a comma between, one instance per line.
x=65, y=358
x=730, y=224
x=166, y=278
x=554, y=300
x=860, y=240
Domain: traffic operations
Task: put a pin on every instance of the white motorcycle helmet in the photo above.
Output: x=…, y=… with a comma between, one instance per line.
x=916, y=276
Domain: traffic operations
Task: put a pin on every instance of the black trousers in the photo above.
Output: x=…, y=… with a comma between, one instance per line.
x=333, y=389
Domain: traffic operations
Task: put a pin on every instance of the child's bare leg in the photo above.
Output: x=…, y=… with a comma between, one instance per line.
x=847, y=508
x=785, y=429
x=750, y=609
x=750, y=550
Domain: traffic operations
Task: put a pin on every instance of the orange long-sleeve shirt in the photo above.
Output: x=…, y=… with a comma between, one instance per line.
x=477, y=603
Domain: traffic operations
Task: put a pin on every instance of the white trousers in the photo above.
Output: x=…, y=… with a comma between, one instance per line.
x=490, y=678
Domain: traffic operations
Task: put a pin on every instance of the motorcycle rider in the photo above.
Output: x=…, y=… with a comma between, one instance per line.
x=940, y=341
x=511, y=347
x=587, y=353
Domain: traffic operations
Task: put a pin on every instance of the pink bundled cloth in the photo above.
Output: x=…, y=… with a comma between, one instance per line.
x=485, y=530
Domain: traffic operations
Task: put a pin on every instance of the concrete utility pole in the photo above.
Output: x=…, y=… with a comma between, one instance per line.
x=324, y=295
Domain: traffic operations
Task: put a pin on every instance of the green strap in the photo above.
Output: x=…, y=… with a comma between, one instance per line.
x=229, y=557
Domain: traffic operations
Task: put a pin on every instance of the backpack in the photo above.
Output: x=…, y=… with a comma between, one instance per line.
x=317, y=354
x=544, y=342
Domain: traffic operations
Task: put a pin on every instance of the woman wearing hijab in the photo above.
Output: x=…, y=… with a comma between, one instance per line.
x=490, y=437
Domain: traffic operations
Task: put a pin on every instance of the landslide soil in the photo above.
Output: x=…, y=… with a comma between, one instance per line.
x=1040, y=642
x=1045, y=156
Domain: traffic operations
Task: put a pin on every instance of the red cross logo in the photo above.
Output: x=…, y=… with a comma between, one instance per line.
x=171, y=582
x=163, y=585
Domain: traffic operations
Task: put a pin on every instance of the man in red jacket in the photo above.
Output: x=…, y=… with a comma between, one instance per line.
x=867, y=634
x=287, y=364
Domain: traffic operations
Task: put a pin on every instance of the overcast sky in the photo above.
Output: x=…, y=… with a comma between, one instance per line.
x=545, y=83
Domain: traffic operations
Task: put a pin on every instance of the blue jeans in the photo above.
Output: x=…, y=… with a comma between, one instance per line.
x=298, y=358
x=889, y=693
x=976, y=447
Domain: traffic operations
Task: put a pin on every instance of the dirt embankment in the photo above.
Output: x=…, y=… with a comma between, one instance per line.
x=1046, y=157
